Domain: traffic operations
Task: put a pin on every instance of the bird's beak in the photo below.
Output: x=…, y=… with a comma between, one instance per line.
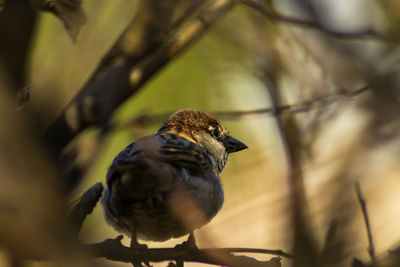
x=233, y=145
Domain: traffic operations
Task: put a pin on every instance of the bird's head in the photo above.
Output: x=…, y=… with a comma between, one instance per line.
x=200, y=128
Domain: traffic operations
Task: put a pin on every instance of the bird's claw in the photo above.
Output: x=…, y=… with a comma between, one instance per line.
x=189, y=244
x=136, y=245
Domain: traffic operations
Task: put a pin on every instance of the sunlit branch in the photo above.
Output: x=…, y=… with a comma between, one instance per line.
x=95, y=103
x=109, y=85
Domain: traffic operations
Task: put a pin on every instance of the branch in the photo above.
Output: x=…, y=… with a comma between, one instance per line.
x=112, y=249
x=304, y=247
x=301, y=107
x=361, y=200
x=109, y=85
x=366, y=33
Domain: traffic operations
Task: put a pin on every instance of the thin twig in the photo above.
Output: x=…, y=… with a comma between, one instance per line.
x=363, y=205
x=301, y=107
x=112, y=249
x=366, y=33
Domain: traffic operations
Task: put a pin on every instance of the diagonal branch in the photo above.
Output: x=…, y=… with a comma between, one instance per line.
x=95, y=103
x=109, y=85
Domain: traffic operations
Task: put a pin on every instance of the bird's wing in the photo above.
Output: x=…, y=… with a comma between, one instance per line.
x=124, y=158
x=159, y=159
x=184, y=154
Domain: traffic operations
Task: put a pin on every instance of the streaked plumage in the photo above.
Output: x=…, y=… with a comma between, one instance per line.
x=167, y=184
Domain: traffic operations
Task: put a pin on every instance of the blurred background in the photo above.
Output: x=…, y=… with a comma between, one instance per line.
x=323, y=74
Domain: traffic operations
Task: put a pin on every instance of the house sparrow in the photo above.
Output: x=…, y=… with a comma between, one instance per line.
x=167, y=185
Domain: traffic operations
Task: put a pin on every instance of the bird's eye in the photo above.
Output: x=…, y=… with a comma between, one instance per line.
x=216, y=132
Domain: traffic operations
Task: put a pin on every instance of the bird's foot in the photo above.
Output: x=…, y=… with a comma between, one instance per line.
x=136, y=245
x=189, y=244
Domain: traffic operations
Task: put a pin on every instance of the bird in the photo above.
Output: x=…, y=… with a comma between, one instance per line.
x=167, y=185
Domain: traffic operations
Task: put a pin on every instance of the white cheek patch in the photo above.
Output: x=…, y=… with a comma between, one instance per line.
x=214, y=148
